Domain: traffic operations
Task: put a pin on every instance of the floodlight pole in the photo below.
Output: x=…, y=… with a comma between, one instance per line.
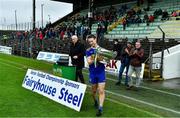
x=34, y=14
x=90, y=13
x=42, y=14
x=15, y=19
x=162, y=52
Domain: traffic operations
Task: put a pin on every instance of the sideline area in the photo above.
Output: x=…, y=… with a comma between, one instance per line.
x=150, y=100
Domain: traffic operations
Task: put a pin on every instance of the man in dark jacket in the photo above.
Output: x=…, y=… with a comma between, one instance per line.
x=77, y=53
x=117, y=47
x=136, y=55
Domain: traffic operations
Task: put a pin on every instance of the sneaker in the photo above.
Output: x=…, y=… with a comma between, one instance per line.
x=118, y=83
x=99, y=113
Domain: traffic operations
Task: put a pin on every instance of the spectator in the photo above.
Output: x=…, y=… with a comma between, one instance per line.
x=157, y=12
x=99, y=34
x=62, y=34
x=124, y=23
x=151, y=18
x=165, y=15
x=137, y=19
x=87, y=31
x=146, y=19
x=41, y=35
x=105, y=26
x=174, y=14
x=77, y=53
x=125, y=60
x=136, y=55
x=117, y=47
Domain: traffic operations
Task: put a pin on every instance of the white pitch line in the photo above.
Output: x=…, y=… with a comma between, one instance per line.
x=13, y=66
x=90, y=86
x=120, y=103
x=157, y=90
x=13, y=62
x=10, y=62
x=144, y=102
x=173, y=94
x=150, y=104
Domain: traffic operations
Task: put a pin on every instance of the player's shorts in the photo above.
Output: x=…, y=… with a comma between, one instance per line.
x=95, y=78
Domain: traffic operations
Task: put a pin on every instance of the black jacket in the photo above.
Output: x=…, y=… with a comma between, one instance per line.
x=125, y=58
x=117, y=47
x=79, y=50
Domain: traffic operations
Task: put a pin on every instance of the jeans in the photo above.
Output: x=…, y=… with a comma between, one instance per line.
x=123, y=66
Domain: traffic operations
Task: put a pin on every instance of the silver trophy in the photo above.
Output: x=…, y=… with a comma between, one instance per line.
x=106, y=54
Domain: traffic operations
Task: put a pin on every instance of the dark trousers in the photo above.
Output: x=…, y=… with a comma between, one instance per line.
x=79, y=75
x=123, y=66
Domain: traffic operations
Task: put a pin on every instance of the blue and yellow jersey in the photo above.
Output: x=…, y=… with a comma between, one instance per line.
x=96, y=74
x=99, y=67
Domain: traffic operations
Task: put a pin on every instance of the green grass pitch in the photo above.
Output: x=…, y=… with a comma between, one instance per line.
x=15, y=101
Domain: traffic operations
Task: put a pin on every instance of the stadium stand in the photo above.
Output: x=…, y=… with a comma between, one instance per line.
x=56, y=35
x=141, y=30
x=171, y=29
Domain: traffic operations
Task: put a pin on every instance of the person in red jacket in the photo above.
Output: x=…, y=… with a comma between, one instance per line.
x=151, y=18
x=41, y=35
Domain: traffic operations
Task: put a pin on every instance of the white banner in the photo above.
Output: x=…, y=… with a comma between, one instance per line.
x=66, y=92
x=6, y=50
x=49, y=56
x=114, y=66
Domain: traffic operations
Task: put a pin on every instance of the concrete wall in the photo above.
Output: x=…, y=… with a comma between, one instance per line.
x=172, y=65
x=171, y=62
